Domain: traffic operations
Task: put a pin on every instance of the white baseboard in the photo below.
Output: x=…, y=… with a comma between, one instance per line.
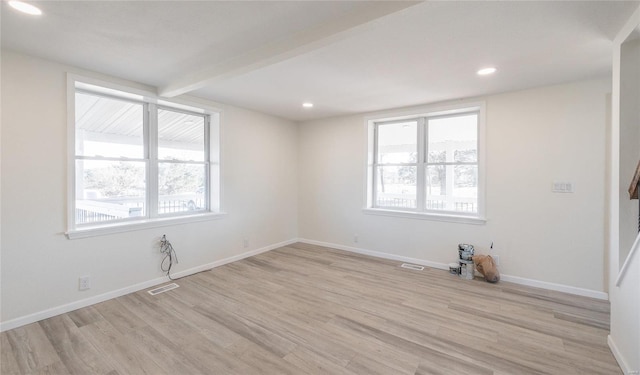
x=513, y=279
x=556, y=287
x=618, y=356
x=377, y=254
x=48, y=313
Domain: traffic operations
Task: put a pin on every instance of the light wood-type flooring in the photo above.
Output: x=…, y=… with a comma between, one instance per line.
x=306, y=309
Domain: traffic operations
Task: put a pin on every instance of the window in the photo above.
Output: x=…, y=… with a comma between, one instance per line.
x=427, y=164
x=137, y=160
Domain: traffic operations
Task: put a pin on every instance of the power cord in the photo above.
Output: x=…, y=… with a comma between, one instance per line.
x=169, y=255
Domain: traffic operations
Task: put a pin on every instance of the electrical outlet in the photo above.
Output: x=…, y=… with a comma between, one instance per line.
x=84, y=283
x=355, y=238
x=245, y=243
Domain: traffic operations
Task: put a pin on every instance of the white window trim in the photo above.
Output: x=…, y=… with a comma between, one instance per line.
x=435, y=110
x=129, y=226
x=215, y=191
x=425, y=216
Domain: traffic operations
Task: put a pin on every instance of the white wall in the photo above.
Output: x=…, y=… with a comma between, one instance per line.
x=40, y=267
x=624, y=290
x=629, y=141
x=534, y=137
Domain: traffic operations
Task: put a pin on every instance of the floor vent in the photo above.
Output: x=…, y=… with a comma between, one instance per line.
x=412, y=266
x=162, y=289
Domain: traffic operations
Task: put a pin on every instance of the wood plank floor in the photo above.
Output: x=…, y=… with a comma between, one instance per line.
x=307, y=309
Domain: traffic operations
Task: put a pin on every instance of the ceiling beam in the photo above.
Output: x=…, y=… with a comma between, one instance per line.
x=286, y=48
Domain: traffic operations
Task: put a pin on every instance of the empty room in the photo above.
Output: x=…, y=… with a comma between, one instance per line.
x=320, y=187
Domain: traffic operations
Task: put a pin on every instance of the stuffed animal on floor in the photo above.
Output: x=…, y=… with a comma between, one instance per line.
x=487, y=267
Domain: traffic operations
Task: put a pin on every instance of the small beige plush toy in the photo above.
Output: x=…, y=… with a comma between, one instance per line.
x=487, y=267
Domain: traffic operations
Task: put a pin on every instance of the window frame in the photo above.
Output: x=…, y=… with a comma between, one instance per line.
x=416, y=164
x=151, y=104
x=422, y=115
x=153, y=137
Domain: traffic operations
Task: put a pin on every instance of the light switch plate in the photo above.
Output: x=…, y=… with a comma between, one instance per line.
x=562, y=187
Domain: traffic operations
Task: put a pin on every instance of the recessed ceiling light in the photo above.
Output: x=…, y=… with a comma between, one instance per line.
x=486, y=71
x=25, y=8
x=307, y=105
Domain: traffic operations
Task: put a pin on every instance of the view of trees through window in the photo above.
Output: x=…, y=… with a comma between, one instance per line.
x=118, y=179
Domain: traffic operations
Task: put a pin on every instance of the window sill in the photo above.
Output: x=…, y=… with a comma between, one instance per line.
x=93, y=231
x=426, y=216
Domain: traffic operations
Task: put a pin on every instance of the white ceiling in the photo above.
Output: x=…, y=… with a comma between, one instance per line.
x=344, y=56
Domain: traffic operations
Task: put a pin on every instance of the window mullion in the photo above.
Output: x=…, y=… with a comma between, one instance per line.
x=151, y=143
x=207, y=162
x=374, y=171
x=421, y=158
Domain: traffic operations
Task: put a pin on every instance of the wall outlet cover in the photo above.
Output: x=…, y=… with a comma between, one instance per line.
x=84, y=283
